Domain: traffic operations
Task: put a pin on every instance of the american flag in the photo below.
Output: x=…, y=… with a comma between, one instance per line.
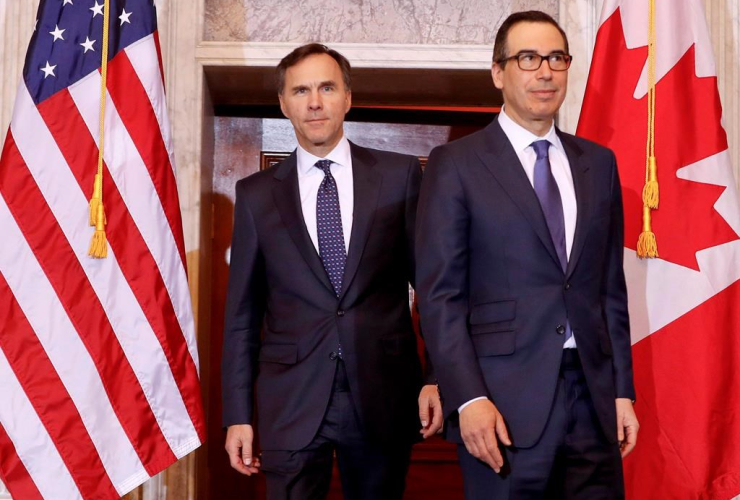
x=98, y=362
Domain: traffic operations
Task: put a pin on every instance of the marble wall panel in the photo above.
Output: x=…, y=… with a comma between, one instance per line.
x=723, y=18
x=16, y=26
x=467, y=22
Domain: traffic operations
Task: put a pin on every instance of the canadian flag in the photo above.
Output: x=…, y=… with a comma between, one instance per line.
x=684, y=305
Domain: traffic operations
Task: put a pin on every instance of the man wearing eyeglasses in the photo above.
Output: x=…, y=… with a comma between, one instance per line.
x=521, y=289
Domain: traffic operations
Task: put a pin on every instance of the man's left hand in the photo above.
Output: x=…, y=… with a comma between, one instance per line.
x=627, y=426
x=430, y=411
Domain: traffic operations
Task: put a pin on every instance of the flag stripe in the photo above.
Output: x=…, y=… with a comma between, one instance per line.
x=149, y=309
x=136, y=114
x=140, y=345
x=13, y=473
x=158, y=46
x=68, y=355
x=50, y=399
x=34, y=447
x=144, y=59
x=141, y=199
x=83, y=307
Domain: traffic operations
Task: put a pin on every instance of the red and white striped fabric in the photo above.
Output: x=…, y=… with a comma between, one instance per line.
x=684, y=305
x=99, y=386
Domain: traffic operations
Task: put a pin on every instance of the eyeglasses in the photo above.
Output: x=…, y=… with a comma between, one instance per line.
x=531, y=61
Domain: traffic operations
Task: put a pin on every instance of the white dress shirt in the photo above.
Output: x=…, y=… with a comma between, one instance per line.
x=310, y=178
x=521, y=140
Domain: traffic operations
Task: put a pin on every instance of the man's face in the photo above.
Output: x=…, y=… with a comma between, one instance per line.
x=532, y=97
x=315, y=101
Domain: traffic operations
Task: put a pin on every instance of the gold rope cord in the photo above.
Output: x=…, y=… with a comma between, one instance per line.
x=647, y=246
x=99, y=245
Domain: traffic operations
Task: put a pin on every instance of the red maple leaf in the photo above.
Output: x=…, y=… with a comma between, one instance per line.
x=687, y=129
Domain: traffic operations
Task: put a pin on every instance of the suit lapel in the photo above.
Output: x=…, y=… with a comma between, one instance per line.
x=288, y=201
x=579, y=170
x=366, y=190
x=501, y=160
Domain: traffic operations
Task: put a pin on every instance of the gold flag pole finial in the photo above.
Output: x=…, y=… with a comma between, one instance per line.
x=647, y=245
x=99, y=244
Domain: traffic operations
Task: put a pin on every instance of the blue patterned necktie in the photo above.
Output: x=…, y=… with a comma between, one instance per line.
x=329, y=228
x=552, y=205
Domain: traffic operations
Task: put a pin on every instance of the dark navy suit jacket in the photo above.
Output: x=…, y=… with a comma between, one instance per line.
x=493, y=297
x=278, y=285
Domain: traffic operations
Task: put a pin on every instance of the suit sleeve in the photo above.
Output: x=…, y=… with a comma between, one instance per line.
x=442, y=282
x=245, y=309
x=614, y=295
x=413, y=184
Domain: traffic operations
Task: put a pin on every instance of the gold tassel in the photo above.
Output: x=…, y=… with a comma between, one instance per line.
x=99, y=244
x=97, y=199
x=647, y=245
x=650, y=191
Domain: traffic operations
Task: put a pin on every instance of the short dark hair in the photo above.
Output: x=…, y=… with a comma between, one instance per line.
x=305, y=51
x=500, y=47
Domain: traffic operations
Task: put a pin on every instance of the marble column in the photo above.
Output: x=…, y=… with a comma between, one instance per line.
x=723, y=19
x=17, y=20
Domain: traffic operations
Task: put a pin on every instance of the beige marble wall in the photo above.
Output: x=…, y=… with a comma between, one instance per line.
x=723, y=18
x=466, y=22
x=17, y=18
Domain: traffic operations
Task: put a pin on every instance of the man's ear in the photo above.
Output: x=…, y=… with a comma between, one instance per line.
x=282, y=105
x=497, y=75
x=348, y=101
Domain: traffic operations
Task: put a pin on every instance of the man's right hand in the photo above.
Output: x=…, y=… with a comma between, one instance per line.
x=239, y=439
x=480, y=424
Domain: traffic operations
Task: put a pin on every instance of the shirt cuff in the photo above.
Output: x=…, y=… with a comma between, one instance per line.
x=462, y=406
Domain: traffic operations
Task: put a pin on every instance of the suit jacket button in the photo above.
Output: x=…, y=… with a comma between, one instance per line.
x=560, y=329
x=340, y=313
x=567, y=286
x=333, y=356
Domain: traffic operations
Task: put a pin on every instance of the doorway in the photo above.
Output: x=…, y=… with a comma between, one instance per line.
x=243, y=135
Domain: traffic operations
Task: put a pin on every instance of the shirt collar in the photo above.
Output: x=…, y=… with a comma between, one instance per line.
x=521, y=138
x=340, y=155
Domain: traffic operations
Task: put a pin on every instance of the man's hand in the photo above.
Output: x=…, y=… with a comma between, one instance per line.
x=239, y=439
x=430, y=411
x=627, y=426
x=480, y=424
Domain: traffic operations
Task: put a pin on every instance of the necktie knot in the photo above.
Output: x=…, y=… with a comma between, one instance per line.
x=541, y=148
x=324, y=165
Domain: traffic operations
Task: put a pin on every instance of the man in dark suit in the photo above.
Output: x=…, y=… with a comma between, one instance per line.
x=522, y=293
x=321, y=260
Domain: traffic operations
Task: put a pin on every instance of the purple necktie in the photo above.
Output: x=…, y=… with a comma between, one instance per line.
x=329, y=228
x=549, y=196
x=552, y=205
